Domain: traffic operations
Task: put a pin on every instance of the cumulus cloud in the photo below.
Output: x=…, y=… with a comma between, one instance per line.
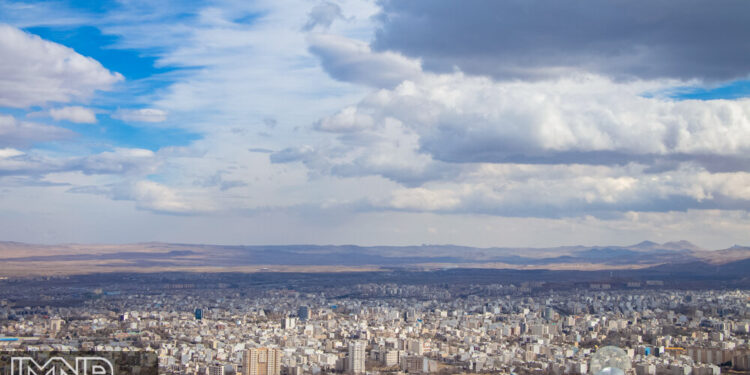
x=73, y=114
x=23, y=133
x=152, y=196
x=147, y=195
x=140, y=115
x=586, y=119
x=348, y=119
x=538, y=39
x=34, y=71
x=352, y=60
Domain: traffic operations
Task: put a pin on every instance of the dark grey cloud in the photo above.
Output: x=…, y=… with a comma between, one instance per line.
x=90, y=189
x=290, y=155
x=352, y=61
x=535, y=39
x=452, y=147
x=322, y=16
x=270, y=122
x=217, y=180
x=260, y=150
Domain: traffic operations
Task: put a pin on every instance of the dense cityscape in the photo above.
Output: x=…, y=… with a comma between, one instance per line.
x=203, y=327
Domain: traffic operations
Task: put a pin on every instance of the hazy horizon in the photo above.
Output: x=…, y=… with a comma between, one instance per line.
x=623, y=245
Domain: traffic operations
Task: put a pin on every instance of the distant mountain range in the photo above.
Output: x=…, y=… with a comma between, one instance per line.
x=20, y=259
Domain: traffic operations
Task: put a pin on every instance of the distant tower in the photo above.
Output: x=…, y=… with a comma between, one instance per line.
x=198, y=314
x=262, y=361
x=303, y=312
x=549, y=313
x=355, y=362
x=55, y=325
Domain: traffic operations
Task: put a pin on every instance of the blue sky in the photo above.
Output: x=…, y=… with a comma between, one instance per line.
x=728, y=90
x=380, y=123
x=89, y=41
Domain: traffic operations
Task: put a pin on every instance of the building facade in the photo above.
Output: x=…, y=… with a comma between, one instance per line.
x=262, y=361
x=355, y=361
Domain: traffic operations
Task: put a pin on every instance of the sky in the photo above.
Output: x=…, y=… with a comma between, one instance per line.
x=478, y=122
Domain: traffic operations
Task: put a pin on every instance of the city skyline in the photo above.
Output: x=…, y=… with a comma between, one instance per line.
x=375, y=122
x=459, y=322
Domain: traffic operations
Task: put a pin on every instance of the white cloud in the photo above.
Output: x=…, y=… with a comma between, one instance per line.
x=9, y=153
x=348, y=119
x=514, y=190
x=149, y=195
x=34, y=71
x=584, y=119
x=141, y=115
x=73, y=114
x=146, y=195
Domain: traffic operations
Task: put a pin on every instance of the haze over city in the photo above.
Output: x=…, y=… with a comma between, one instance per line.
x=518, y=124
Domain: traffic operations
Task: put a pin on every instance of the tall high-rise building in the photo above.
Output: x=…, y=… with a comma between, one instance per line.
x=355, y=361
x=416, y=346
x=55, y=325
x=288, y=322
x=303, y=312
x=199, y=314
x=216, y=369
x=262, y=361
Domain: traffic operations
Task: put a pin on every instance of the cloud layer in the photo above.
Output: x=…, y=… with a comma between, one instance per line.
x=538, y=39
